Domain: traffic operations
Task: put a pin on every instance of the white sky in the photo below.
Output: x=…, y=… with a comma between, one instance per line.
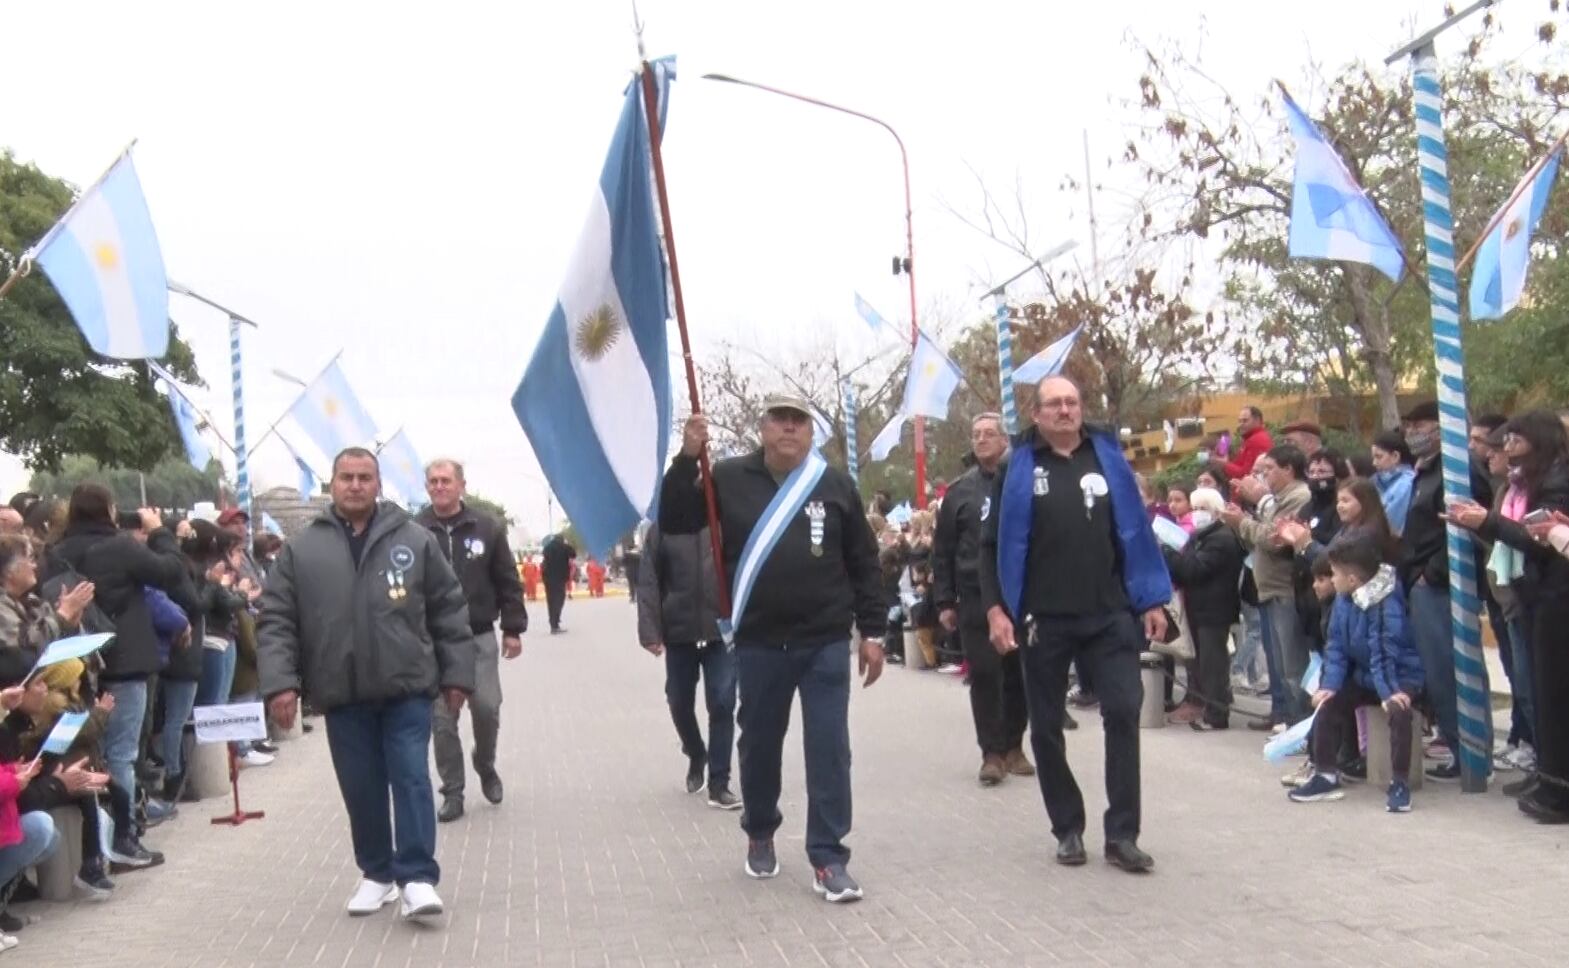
x=405, y=181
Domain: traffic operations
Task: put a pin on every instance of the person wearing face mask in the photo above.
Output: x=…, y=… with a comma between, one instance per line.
x=1425, y=573
x=1208, y=570
x=1327, y=470
x=1394, y=476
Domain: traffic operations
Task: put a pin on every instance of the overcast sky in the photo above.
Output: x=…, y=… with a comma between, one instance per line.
x=405, y=182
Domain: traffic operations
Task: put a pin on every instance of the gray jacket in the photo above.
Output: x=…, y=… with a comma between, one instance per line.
x=395, y=626
x=677, y=595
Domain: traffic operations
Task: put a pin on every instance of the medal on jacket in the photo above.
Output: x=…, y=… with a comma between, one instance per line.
x=818, y=514
x=1042, y=482
x=395, y=589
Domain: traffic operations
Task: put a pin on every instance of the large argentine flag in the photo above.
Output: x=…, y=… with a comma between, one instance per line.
x=1498, y=277
x=595, y=399
x=1331, y=216
x=104, y=261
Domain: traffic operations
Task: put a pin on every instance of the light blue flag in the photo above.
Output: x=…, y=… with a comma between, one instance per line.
x=402, y=468
x=310, y=481
x=822, y=429
x=63, y=734
x=881, y=328
x=595, y=399
x=271, y=525
x=74, y=647
x=888, y=437
x=331, y=415
x=1331, y=216
x=104, y=261
x=1048, y=362
x=932, y=380
x=187, y=418
x=1498, y=276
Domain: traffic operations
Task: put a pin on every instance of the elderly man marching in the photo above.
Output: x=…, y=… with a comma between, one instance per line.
x=1069, y=552
x=804, y=565
x=475, y=544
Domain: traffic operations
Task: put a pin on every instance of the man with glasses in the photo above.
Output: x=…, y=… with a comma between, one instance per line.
x=996, y=681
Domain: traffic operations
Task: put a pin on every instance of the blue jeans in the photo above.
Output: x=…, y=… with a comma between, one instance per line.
x=123, y=732
x=379, y=747
x=1522, y=680
x=1249, y=644
x=684, y=662
x=1286, y=655
x=217, y=676
x=1430, y=626
x=178, y=699
x=39, y=839
x=769, y=677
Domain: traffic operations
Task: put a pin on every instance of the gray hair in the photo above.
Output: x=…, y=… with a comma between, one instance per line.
x=457, y=467
x=995, y=418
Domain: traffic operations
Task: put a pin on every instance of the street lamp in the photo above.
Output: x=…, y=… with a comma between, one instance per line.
x=905, y=264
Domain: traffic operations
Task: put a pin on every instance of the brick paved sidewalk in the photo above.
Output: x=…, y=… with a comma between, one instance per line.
x=598, y=857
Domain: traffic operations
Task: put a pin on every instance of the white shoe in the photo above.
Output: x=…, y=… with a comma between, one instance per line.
x=8, y=941
x=421, y=901
x=370, y=897
x=256, y=758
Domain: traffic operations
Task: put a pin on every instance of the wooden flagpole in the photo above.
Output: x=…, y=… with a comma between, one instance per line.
x=651, y=109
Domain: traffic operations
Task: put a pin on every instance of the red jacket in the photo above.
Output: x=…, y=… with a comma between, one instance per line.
x=1255, y=445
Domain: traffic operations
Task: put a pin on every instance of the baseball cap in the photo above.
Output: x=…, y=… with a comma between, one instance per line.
x=784, y=401
x=231, y=515
x=1302, y=427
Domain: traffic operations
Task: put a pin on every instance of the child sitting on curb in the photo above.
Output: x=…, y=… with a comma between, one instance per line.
x=1369, y=658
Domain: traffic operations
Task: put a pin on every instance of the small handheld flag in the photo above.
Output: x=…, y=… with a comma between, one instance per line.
x=64, y=734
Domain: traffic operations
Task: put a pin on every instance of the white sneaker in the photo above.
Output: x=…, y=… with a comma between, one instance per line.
x=8, y=941
x=255, y=757
x=1523, y=757
x=370, y=897
x=421, y=901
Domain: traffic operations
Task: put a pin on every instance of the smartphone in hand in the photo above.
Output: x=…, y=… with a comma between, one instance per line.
x=1539, y=516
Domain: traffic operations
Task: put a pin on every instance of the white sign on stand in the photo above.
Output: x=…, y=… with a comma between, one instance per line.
x=234, y=721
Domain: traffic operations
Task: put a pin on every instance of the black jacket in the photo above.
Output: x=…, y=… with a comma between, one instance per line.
x=120, y=566
x=677, y=593
x=799, y=598
x=1425, y=541
x=956, y=547
x=555, y=565
x=1546, y=574
x=476, y=545
x=1208, y=570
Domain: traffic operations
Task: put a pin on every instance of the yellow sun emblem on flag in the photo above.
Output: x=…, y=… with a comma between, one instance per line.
x=930, y=369
x=1514, y=228
x=597, y=332
x=106, y=255
x=330, y=407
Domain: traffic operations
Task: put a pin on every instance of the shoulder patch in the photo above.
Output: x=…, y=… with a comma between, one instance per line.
x=402, y=557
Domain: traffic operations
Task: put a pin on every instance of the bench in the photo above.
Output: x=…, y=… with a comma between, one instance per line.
x=207, y=772
x=57, y=872
x=1152, y=674
x=1379, y=769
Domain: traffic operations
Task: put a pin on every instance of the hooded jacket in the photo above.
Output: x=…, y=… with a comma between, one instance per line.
x=677, y=593
x=395, y=625
x=1370, y=641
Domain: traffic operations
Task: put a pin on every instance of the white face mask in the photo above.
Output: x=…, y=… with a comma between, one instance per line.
x=1203, y=519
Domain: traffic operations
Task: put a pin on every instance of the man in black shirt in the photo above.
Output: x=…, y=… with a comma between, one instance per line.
x=1069, y=548
x=556, y=570
x=791, y=632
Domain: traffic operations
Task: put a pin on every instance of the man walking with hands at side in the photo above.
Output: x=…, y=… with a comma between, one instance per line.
x=475, y=544
x=363, y=615
x=804, y=566
x=1069, y=550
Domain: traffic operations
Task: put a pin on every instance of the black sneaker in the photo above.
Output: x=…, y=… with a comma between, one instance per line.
x=836, y=885
x=1354, y=771
x=92, y=882
x=1445, y=772
x=490, y=786
x=761, y=861
x=696, y=766
x=720, y=798
x=127, y=852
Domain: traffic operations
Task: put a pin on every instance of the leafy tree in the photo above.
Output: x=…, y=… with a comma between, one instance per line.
x=495, y=508
x=171, y=483
x=57, y=397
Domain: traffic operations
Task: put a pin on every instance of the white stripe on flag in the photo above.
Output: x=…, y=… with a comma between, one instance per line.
x=94, y=229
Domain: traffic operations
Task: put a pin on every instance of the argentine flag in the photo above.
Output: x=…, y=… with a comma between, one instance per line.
x=888, y=437
x=1331, y=216
x=331, y=415
x=104, y=261
x=933, y=378
x=187, y=418
x=595, y=399
x=1498, y=276
x=1048, y=362
x=309, y=482
x=402, y=469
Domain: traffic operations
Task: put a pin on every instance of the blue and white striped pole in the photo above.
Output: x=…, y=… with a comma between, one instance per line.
x=242, y=473
x=851, y=451
x=1010, y=414
x=1473, y=703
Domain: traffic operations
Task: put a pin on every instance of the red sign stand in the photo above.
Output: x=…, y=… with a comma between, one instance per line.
x=238, y=816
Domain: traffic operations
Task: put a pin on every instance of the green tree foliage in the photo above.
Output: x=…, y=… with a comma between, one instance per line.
x=171, y=483
x=493, y=508
x=57, y=397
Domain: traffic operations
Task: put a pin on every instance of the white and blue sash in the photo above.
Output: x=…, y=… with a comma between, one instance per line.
x=787, y=503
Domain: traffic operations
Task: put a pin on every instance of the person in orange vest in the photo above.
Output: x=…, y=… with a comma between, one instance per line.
x=531, y=578
x=596, y=578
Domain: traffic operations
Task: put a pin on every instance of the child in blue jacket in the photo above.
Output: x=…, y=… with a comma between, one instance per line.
x=1369, y=658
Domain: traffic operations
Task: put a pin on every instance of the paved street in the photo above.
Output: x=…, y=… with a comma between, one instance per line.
x=597, y=857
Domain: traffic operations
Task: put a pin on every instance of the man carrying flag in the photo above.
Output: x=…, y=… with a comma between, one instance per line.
x=805, y=567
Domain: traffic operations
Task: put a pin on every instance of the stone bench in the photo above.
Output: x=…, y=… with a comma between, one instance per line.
x=207, y=773
x=57, y=872
x=1379, y=769
x=1152, y=675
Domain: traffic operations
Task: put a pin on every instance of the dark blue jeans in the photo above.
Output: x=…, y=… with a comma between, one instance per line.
x=1522, y=680
x=377, y=747
x=769, y=678
x=1434, y=635
x=684, y=663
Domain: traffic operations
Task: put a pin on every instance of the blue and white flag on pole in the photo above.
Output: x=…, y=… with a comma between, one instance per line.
x=331, y=415
x=881, y=328
x=187, y=418
x=103, y=259
x=932, y=380
x=851, y=415
x=888, y=437
x=1498, y=275
x=270, y=524
x=1048, y=362
x=75, y=647
x=310, y=481
x=1331, y=216
x=822, y=428
x=63, y=734
x=595, y=399
x=402, y=468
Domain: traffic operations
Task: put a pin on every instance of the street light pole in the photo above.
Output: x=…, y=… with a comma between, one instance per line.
x=905, y=264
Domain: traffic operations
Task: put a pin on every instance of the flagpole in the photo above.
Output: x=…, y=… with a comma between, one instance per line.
x=1010, y=415
x=651, y=109
x=174, y=387
x=1526, y=182
x=1472, y=704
